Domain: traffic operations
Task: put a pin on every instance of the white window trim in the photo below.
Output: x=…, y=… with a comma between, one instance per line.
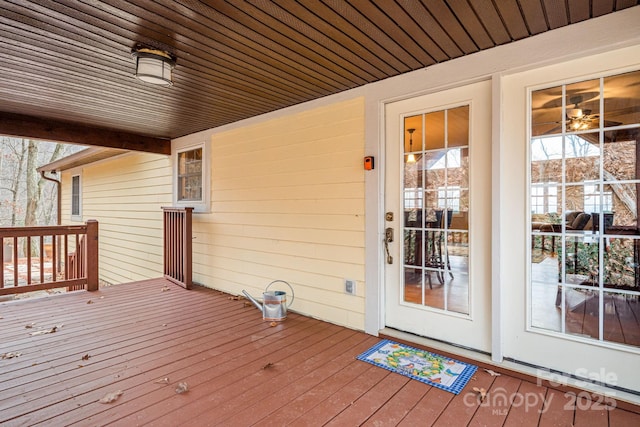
x=203, y=206
x=77, y=217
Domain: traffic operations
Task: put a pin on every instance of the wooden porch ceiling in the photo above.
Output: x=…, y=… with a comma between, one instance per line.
x=145, y=338
x=69, y=61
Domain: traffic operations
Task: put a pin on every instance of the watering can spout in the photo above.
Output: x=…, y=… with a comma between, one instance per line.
x=253, y=300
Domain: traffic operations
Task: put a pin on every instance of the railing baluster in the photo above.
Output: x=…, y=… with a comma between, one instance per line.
x=42, y=254
x=28, y=239
x=66, y=257
x=2, y=257
x=15, y=261
x=54, y=258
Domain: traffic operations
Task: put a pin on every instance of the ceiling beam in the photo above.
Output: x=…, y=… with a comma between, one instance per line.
x=22, y=126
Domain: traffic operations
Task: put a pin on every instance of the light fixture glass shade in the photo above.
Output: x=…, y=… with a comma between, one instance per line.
x=154, y=66
x=411, y=158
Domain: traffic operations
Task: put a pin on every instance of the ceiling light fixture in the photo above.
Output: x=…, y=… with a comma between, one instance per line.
x=411, y=158
x=154, y=66
x=577, y=118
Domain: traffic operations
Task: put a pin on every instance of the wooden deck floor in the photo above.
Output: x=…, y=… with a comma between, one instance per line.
x=240, y=371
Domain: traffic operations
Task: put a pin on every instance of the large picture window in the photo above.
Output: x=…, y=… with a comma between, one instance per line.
x=583, y=189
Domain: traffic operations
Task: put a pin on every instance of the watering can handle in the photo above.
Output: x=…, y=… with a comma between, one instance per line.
x=286, y=283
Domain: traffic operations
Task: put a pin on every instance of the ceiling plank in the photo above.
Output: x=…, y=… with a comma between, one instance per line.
x=579, y=10
x=491, y=21
x=512, y=18
x=23, y=126
x=471, y=23
x=325, y=34
x=444, y=16
x=602, y=7
x=534, y=17
x=426, y=31
x=556, y=13
x=368, y=25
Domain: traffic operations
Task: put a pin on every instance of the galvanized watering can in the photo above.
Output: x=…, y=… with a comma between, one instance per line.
x=274, y=303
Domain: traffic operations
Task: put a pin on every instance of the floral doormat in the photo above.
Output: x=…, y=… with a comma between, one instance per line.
x=430, y=368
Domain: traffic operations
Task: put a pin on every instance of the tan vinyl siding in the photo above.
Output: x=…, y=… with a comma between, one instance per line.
x=125, y=195
x=288, y=203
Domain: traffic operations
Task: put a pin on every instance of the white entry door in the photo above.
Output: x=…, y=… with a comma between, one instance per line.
x=438, y=218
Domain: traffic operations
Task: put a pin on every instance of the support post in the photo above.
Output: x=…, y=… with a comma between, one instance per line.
x=92, y=255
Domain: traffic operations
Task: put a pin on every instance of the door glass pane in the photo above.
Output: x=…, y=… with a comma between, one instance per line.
x=582, y=157
x=583, y=105
x=546, y=294
x=620, y=311
x=621, y=264
x=458, y=127
x=546, y=113
x=620, y=162
x=582, y=312
x=585, y=239
x=436, y=210
x=622, y=99
x=434, y=135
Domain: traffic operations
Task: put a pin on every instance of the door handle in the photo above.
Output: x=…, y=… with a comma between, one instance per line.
x=388, y=238
x=388, y=235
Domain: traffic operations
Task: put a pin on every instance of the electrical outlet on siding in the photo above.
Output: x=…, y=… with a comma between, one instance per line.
x=349, y=286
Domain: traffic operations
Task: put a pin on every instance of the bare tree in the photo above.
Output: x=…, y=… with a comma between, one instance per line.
x=33, y=189
x=35, y=182
x=19, y=152
x=25, y=197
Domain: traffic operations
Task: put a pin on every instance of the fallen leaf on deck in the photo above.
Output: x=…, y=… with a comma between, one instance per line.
x=80, y=366
x=89, y=302
x=164, y=324
x=86, y=357
x=235, y=298
x=10, y=355
x=30, y=325
x=166, y=288
x=272, y=324
x=46, y=331
x=162, y=381
x=102, y=297
x=182, y=388
x=492, y=373
x=268, y=365
x=111, y=397
x=247, y=304
x=482, y=393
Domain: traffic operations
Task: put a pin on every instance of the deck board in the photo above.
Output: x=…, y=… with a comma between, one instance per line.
x=527, y=406
x=428, y=409
x=557, y=410
x=240, y=370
